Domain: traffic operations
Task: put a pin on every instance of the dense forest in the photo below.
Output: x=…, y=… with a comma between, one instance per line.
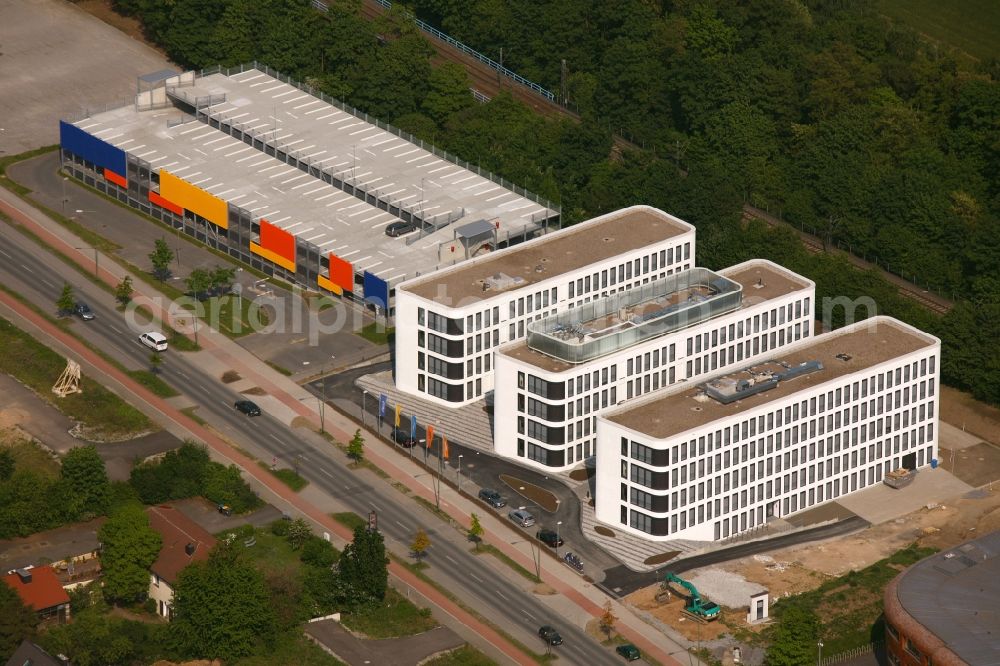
x=820, y=110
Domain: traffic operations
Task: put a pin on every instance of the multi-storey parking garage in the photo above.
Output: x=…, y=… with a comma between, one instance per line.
x=295, y=184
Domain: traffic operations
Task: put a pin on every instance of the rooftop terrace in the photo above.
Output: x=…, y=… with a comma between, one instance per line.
x=844, y=352
x=658, y=308
x=550, y=256
x=325, y=135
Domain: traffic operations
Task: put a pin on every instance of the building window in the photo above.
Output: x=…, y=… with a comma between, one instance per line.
x=641, y=522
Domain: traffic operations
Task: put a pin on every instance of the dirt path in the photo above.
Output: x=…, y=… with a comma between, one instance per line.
x=963, y=411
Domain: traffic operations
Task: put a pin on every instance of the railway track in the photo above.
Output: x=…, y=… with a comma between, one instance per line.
x=814, y=245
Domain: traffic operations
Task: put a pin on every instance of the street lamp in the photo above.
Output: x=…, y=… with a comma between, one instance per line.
x=819, y=652
x=436, y=487
x=558, y=523
x=459, y=473
x=64, y=179
x=536, y=556
x=322, y=405
x=87, y=247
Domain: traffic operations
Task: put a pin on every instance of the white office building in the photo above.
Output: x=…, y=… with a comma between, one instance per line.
x=450, y=323
x=823, y=418
x=574, y=365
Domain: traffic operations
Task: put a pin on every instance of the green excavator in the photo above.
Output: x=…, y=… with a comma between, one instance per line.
x=700, y=608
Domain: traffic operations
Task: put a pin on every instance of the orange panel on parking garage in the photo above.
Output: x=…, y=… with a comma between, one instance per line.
x=194, y=199
x=341, y=273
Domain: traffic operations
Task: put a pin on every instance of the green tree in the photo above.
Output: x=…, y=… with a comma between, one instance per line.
x=318, y=552
x=221, y=277
x=129, y=548
x=298, y=533
x=123, y=292
x=67, y=301
x=356, y=447
x=222, y=609
x=84, y=470
x=198, y=282
x=155, y=361
x=17, y=621
x=475, y=530
x=160, y=257
x=448, y=92
x=793, y=640
x=95, y=638
x=421, y=542
x=363, y=567
x=7, y=464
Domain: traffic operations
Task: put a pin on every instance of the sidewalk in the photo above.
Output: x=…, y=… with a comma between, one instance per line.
x=289, y=402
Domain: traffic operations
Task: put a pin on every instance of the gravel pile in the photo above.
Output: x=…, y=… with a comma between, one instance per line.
x=724, y=588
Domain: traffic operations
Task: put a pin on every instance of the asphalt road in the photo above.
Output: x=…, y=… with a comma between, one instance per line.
x=37, y=275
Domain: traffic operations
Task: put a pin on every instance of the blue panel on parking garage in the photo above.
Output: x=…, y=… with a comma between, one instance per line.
x=376, y=290
x=92, y=149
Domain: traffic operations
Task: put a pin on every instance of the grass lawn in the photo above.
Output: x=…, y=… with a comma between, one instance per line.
x=27, y=454
x=377, y=333
x=153, y=383
x=234, y=316
x=287, y=476
x=969, y=25
x=464, y=656
x=350, y=520
x=271, y=552
x=849, y=606
x=395, y=616
x=293, y=649
x=181, y=342
x=38, y=367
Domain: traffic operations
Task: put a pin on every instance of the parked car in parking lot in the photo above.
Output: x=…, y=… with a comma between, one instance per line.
x=629, y=651
x=522, y=517
x=247, y=407
x=549, y=635
x=549, y=538
x=492, y=498
x=397, y=229
x=83, y=311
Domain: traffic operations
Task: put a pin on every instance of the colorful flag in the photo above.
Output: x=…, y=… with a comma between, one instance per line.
x=399, y=408
x=383, y=400
x=430, y=436
x=413, y=428
x=444, y=447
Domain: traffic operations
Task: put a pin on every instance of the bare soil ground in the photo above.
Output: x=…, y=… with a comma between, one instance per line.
x=102, y=10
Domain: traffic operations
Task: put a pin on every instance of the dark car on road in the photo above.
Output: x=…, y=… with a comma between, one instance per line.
x=83, y=311
x=247, y=407
x=629, y=651
x=492, y=498
x=403, y=439
x=549, y=538
x=549, y=635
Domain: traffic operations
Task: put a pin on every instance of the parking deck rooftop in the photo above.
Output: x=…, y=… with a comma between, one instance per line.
x=374, y=159
x=844, y=352
x=312, y=210
x=761, y=281
x=552, y=255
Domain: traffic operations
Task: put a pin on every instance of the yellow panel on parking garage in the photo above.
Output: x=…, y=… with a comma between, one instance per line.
x=194, y=199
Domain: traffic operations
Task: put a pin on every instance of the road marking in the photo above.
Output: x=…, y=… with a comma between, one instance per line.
x=448, y=557
x=323, y=469
x=46, y=282
x=402, y=525
x=185, y=377
x=501, y=595
x=115, y=330
x=376, y=508
x=26, y=268
x=5, y=254
x=528, y=614
x=275, y=437
x=477, y=578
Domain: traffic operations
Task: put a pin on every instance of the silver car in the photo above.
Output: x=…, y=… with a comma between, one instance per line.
x=522, y=517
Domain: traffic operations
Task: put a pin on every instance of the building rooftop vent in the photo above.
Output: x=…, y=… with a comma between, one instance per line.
x=501, y=281
x=24, y=575
x=189, y=549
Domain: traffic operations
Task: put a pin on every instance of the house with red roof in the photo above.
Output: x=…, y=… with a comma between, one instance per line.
x=184, y=542
x=40, y=590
